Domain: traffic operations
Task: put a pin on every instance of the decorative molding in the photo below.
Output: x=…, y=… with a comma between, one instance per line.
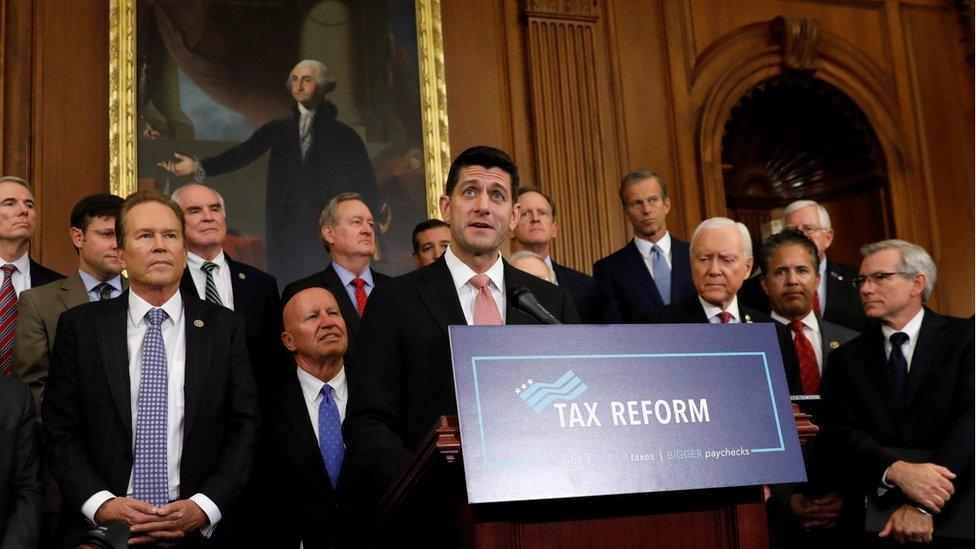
x=122, y=97
x=580, y=10
x=799, y=37
x=433, y=102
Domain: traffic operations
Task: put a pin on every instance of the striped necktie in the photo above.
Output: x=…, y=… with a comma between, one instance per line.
x=8, y=320
x=211, y=293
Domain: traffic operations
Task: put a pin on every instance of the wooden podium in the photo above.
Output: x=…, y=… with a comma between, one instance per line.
x=427, y=504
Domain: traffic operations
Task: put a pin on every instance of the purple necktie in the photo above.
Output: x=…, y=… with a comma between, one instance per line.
x=330, y=434
x=150, y=481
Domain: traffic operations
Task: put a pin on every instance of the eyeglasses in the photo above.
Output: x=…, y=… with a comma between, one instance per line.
x=806, y=229
x=876, y=278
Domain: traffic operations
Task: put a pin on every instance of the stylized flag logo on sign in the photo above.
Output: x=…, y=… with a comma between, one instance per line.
x=540, y=395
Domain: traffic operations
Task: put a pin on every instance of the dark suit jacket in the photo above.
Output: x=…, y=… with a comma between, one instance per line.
x=858, y=418
x=843, y=301
x=832, y=336
x=88, y=417
x=628, y=288
x=290, y=474
x=41, y=275
x=20, y=486
x=329, y=279
x=402, y=381
x=690, y=311
x=256, y=299
x=297, y=189
x=585, y=292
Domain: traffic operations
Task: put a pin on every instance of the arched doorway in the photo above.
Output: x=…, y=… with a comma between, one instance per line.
x=792, y=137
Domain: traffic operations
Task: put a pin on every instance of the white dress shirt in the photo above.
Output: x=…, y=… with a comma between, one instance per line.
x=712, y=311
x=89, y=282
x=552, y=270
x=822, y=287
x=312, y=391
x=221, y=275
x=462, y=274
x=20, y=278
x=811, y=329
x=911, y=330
x=174, y=339
x=644, y=247
x=346, y=277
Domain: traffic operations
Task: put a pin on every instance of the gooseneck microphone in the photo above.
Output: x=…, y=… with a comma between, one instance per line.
x=524, y=301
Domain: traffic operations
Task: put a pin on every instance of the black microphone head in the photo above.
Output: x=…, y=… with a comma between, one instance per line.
x=515, y=293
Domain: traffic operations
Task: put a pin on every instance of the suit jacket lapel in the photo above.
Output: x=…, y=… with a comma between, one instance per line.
x=680, y=270
x=929, y=338
x=238, y=281
x=876, y=363
x=73, y=292
x=639, y=269
x=199, y=349
x=332, y=281
x=437, y=291
x=113, y=347
x=293, y=407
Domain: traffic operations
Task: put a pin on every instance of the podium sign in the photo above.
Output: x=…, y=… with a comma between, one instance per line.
x=570, y=411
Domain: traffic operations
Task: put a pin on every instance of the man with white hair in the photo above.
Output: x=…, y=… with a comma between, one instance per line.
x=533, y=264
x=898, y=403
x=721, y=259
x=313, y=157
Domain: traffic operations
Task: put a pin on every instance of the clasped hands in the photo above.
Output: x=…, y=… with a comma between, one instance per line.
x=149, y=524
x=927, y=484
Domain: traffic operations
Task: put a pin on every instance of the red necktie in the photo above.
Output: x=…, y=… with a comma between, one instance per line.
x=816, y=304
x=485, y=308
x=360, y=285
x=8, y=320
x=809, y=373
x=725, y=317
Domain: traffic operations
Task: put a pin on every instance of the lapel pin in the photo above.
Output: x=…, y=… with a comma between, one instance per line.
x=198, y=323
x=837, y=276
x=241, y=276
x=748, y=319
x=834, y=344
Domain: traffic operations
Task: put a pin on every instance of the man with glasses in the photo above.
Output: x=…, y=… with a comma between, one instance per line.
x=898, y=401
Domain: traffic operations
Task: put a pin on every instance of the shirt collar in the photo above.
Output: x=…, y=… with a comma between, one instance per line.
x=911, y=329
x=312, y=386
x=138, y=307
x=644, y=246
x=548, y=260
x=347, y=276
x=810, y=321
x=90, y=281
x=196, y=262
x=22, y=264
x=462, y=274
x=305, y=111
x=712, y=310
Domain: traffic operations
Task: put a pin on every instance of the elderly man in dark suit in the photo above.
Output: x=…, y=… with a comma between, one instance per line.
x=347, y=229
x=214, y=276
x=536, y=229
x=905, y=385
x=401, y=380
x=150, y=409
x=20, y=487
x=313, y=157
x=652, y=270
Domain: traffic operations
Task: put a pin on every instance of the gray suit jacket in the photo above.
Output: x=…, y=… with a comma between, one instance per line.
x=40, y=309
x=20, y=487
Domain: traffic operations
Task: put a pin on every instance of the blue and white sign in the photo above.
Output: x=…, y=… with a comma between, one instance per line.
x=571, y=411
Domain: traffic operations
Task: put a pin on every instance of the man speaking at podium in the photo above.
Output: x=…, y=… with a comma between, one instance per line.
x=400, y=376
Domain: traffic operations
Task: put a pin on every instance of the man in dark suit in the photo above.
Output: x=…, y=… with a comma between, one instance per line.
x=313, y=157
x=20, y=487
x=150, y=409
x=837, y=300
x=431, y=238
x=346, y=228
x=721, y=258
x=906, y=383
x=214, y=276
x=401, y=380
x=652, y=270
x=801, y=515
x=17, y=216
x=536, y=229
x=301, y=449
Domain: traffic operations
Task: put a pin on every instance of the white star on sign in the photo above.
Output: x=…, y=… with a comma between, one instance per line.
x=530, y=382
x=517, y=391
x=524, y=386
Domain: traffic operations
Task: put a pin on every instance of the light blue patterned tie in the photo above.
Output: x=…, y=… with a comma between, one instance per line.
x=662, y=273
x=150, y=481
x=330, y=434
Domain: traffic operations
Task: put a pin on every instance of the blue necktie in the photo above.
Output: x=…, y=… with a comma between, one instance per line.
x=150, y=481
x=330, y=434
x=662, y=273
x=898, y=367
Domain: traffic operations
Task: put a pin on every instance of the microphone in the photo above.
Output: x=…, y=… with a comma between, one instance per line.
x=524, y=301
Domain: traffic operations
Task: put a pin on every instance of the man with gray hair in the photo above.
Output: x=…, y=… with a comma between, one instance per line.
x=313, y=157
x=347, y=230
x=533, y=264
x=898, y=405
x=721, y=259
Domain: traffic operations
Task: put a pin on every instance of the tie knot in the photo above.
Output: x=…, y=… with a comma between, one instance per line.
x=156, y=317
x=104, y=290
x=796, y=326
x=480, y=280
x=359, y=283
x=8, y=269
x=656, y=250
x=327, y=392
x=208, y=267
x=898, y=338
x=725, y=317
